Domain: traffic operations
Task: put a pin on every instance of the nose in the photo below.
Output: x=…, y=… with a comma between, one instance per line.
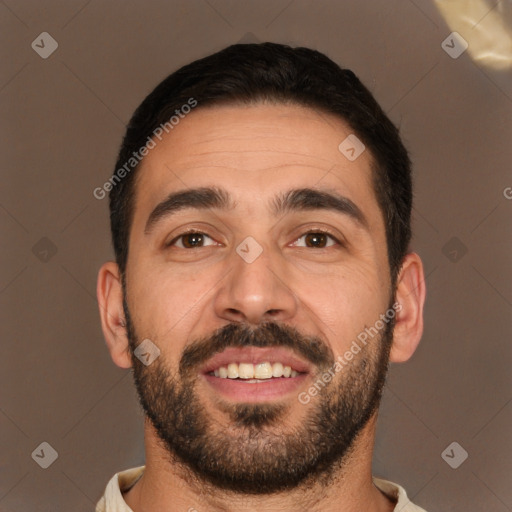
x=255, y=291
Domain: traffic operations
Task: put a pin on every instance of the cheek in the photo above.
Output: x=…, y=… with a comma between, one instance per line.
x=345, y=302
x=165, y=304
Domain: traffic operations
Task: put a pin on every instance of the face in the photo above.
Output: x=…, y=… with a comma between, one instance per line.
x=257, y=256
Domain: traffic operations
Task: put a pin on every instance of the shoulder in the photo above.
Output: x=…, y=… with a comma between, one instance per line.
x=112, y=499
x=397, y=493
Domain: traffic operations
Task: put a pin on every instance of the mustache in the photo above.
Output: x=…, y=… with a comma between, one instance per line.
x=268, y=334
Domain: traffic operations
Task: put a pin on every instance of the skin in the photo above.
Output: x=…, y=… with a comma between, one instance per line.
x=177, y=295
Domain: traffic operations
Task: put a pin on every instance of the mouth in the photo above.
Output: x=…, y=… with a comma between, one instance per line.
x=253, y=374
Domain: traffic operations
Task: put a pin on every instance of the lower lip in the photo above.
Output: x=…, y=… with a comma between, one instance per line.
x=240, y=390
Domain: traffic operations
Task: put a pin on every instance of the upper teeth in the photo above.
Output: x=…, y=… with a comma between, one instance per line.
x=254, y=371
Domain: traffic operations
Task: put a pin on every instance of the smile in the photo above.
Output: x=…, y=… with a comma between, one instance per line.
x=250, y=371
x=272, y=372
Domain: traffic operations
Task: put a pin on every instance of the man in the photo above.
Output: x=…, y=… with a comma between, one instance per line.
x=260, y=214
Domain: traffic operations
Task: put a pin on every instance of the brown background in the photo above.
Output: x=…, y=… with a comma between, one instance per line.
x=62, y=121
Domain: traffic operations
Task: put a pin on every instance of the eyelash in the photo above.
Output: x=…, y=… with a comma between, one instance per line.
x=194, y=232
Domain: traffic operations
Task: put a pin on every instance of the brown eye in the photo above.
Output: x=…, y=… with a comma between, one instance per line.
x=193, y=240
x=317, y=240
x=190, y=240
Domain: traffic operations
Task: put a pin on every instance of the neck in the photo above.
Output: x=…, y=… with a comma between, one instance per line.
x=167, y=485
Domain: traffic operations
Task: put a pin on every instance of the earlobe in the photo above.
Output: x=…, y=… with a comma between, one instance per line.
x=110, y=299
x=410, y=294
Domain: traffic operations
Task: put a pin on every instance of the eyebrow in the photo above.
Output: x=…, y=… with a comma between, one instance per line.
x=202, y=198
x=314, y=199
x=301, y=199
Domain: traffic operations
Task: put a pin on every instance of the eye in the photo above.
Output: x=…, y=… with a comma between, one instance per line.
x=317, y=239
x=190, y=240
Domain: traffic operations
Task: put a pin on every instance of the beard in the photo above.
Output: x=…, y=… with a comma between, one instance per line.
x=258, y=451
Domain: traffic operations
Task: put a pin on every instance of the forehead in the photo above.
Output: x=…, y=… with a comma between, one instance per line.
x=253, y=150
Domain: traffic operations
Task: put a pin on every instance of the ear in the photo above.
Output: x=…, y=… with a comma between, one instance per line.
x=110, y=299
x=410, y=294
